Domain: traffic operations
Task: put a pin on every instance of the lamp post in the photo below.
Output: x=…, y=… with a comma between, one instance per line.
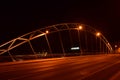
x=98, y=35
x=80, y=28
x=46, y=32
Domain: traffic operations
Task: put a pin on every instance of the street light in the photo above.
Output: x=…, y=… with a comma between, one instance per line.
x=50, y=50
x=80, y=27
x=98, y=34
x=47, y=31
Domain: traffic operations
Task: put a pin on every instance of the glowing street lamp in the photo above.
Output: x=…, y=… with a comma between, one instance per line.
x=80, y=27
x=47, y=31
x=98, y=34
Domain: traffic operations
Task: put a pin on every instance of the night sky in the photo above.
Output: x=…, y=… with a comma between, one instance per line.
x=18, y=18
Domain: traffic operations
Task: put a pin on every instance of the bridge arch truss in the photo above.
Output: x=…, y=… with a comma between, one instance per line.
x=58, y=28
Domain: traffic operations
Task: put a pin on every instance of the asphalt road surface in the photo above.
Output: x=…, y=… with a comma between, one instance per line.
x=96, y=67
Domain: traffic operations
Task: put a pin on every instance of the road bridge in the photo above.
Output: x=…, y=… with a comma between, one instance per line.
x=66, y=39
x=89, y=67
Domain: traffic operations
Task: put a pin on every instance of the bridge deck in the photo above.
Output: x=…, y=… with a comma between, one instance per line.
x=95, y=67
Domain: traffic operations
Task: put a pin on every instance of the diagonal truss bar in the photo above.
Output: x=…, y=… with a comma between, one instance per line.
x=13, y=41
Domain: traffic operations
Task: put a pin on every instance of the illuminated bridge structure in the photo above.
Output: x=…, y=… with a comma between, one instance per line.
x=66, y=39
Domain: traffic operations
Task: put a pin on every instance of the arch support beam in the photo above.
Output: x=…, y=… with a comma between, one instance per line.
x=41, y=32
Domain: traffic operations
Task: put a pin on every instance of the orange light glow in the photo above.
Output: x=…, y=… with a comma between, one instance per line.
x=98, y=34
x=47, y=31
x=80, y=27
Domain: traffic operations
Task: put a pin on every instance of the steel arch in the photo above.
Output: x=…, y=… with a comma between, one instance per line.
x=41, y=32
